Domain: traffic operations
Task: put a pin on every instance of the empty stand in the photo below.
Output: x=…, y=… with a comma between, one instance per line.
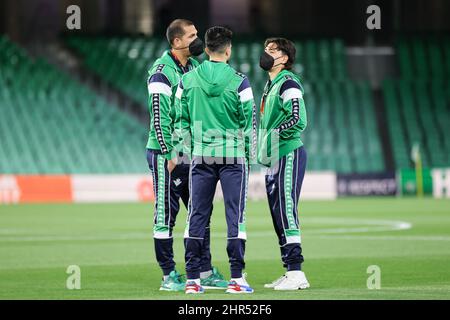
x=51, y=124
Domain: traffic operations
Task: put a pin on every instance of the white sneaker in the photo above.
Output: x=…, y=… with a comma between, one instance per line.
x=275, y=282
x=294, y=280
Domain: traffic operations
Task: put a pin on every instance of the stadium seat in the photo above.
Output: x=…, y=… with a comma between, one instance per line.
x=418, y=104
x=51, y=124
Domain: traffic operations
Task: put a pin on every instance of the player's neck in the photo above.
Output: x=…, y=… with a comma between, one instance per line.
x=180, y=57
x=274, y=72
x=218, y=58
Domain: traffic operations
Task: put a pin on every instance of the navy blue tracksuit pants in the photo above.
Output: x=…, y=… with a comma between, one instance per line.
x=283, y=184
x=169, y=188
x=233, y=176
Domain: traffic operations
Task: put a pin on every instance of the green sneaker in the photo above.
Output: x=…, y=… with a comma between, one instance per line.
x=214, y=281
x=174, y=282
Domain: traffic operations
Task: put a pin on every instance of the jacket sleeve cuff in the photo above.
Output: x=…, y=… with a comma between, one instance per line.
x=170, y=155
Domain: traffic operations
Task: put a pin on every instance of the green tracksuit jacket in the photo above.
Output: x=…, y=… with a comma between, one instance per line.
x=164, y=76
x=217, y=112
x=282, y=118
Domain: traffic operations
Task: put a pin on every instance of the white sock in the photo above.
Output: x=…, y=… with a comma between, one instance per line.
x=294, y=272
x=206, y=274
x=197, y=281
x=165, y=277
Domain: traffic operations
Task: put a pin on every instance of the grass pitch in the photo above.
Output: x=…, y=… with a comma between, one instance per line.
x=408, y=239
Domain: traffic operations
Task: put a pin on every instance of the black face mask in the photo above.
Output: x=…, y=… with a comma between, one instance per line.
x=266, y=61
x=195, y=47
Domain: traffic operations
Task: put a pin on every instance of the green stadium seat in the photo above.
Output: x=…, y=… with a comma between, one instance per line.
x=39, y=138
x=418, y=103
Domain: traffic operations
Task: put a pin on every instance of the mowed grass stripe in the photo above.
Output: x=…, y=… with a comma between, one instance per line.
x=117, y=260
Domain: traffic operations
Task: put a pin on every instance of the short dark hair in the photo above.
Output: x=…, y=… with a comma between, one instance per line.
x=217, y=39
x=287, y=47
x=175, y=29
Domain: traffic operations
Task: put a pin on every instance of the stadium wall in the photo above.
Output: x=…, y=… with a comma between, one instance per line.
x=326, y=185
x=129, y=188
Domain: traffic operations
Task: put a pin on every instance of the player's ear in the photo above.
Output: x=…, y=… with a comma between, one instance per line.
x=176, y=43
x=207, y=51
x=285, y=59
x=228, y=52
